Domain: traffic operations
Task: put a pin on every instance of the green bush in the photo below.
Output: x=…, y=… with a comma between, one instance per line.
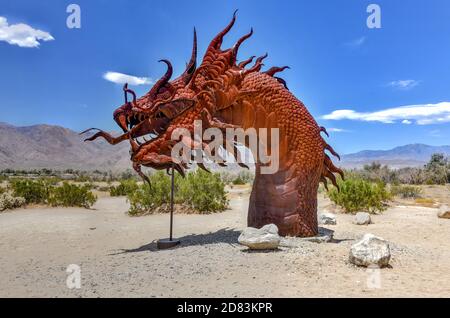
x=406, y=191
x=124, y=188
x=200, y=191
x=359, y=195
x=227, y=177
x=238, y=180
x=71, y=195
x=146, y=199
x=7, y=201
x=33, y=191
x=104, y=189
x=244, y=177
x=375, y=172
x=436, y=171
x=46, y=191
x=203, y=191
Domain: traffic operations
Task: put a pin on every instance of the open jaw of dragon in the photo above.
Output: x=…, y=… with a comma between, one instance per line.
x=222, y=94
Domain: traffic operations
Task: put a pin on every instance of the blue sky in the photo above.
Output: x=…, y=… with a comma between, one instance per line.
x=352, y=79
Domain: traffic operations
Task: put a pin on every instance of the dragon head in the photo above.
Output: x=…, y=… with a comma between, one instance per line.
x=151, y=113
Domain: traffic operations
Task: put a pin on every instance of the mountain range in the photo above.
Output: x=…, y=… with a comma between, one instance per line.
x=47, y=146
x=413, y=155
x=55, y=147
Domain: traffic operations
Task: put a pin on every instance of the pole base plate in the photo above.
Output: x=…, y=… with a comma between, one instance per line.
x=165, y=244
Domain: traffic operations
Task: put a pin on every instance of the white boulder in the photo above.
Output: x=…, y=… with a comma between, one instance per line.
x=362, y=218
x=371, y=250
x=265, y=238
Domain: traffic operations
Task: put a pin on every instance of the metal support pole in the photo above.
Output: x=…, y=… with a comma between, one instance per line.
x=170, y=242
x=172, y=190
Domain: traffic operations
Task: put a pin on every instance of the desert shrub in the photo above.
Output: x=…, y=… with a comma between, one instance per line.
x=375, y=172
x=200, y=191
x=7, y=202
x=244, y=177
x=124, y=188
x=410, y=175
x=104, y=189
x=227, y=177
x=357, y=194
x=82, y=178
x=127, y=174
x=47, y=191
x=203, y=191
x=33, y=191
x=71, y=195
x=145, y=198
x=437, y=169
x=238, y=180
x=406, y=191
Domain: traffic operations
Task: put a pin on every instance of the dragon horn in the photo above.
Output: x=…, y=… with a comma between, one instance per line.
x=126, y=90
x=192, y=65
x=163, y=81
x=246, y=62
x=217, y=41
x=238, y=44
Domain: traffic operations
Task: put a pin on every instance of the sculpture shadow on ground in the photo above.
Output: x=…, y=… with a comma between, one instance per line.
x=250, y=251
x=227, y=235
x=327, y=232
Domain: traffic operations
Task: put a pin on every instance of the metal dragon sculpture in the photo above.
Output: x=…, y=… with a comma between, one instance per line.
x=223, y=93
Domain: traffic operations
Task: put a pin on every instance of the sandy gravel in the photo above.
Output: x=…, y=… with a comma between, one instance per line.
x=118, y=256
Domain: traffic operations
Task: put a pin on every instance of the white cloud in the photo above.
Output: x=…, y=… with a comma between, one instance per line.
x=22, y=34
x=435, y=133
x=356, y=42
x=406, y=122
x=425, y=114
x=120, y=78
x=404, y=84
x=336, y=130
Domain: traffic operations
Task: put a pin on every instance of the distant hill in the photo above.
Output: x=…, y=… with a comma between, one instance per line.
x=46, y=146
x=412, y=155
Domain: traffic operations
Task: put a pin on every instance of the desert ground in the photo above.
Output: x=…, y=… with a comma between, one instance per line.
x=118, y=257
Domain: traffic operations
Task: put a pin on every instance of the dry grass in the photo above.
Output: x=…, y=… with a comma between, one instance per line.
x=427, y=202
x=431, y=196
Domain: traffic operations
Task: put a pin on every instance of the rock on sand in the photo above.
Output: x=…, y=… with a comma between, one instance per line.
x=362, y=218
x=265, y=238
x=327, y=219
x=371, y=250
x=444, y=212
